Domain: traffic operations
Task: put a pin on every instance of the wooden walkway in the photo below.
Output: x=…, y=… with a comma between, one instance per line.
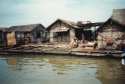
x=98, y=53
x=57, y=50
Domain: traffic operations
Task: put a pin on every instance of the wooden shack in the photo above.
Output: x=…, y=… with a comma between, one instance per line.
x=89, y=29
x=111, y=35
x=62, y=31
x=32, y=33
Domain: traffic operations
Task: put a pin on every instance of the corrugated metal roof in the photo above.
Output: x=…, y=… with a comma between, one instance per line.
x=70, y=23
x=60, y=29
x=3, y=29
x=24, y=28
x=73, y=24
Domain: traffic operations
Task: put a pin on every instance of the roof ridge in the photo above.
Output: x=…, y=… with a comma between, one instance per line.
x=25, y=25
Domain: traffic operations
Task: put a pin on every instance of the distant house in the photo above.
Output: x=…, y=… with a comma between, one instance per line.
x=63, y=31
x=3, y=39
x=111, y=35
x=32, y=33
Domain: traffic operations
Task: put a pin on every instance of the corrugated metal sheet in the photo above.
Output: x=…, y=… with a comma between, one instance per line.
x=60, y=29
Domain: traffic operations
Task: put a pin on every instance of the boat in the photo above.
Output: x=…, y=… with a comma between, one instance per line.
x=123, y=61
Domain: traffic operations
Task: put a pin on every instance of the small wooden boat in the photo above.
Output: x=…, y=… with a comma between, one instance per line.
x=123, y=61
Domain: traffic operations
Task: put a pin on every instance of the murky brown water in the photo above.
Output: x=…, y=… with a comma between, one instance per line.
x=60, y=70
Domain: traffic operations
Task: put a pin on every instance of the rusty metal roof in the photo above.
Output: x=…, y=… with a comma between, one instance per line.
x=60, y=29
x=3, y=29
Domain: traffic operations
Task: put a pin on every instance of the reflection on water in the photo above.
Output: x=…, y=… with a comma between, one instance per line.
x=60, y=70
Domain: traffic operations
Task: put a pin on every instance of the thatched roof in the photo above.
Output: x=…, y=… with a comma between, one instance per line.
x=70, y=23
x=119, y=16
x=25, y=28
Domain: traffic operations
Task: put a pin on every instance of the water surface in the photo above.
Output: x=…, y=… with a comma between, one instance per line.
x=38, y=69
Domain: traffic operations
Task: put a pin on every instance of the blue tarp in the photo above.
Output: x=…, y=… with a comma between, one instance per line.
x=123, y=49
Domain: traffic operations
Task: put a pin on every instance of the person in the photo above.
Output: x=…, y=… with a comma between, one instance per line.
x=109, y=43
x=95, y=45
x=74, y=43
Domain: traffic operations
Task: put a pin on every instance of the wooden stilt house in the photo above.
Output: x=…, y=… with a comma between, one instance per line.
x=89, y=29
x=62, y=31
x=33, y=33
x=111, y=35
x=66, y=31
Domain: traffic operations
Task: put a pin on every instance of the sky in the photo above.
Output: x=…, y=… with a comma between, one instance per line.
x=21, y=12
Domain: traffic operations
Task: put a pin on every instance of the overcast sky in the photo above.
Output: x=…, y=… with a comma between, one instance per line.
x=18, y=12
